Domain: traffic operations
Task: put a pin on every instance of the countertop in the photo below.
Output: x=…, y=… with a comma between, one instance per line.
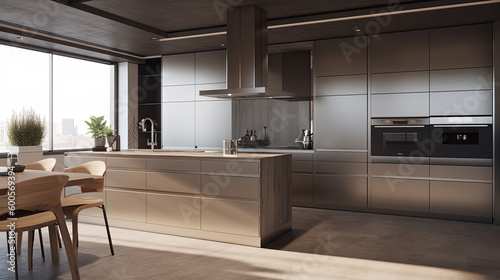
x=172, y=153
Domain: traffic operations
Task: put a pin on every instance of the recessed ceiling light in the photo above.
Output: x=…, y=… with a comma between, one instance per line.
x=19, y=38
x=357, y=30
x=229, y=94
x=222, y=45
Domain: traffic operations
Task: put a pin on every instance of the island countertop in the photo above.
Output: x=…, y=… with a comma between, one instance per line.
x=173, y=153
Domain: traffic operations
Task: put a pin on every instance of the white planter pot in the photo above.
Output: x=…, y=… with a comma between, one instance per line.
x=27, y=154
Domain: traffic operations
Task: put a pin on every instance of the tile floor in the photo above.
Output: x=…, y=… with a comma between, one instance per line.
x=323, y=244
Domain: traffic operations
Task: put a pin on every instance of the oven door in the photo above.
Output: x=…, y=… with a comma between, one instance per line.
x=400, y=140
x=462, y=141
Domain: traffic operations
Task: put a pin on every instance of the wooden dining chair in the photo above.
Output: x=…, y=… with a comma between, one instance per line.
x=42, y=196
x=72, y=205
x=48, y=164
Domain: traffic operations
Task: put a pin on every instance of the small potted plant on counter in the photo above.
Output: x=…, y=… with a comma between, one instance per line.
x=98, y=130
x=26, y=131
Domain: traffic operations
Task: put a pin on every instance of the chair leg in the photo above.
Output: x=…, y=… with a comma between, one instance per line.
x=41, y=243
x=54, y=247
x=19, y=242
x=70, y=254
x=31, y=239
x=74, y=223
x=59, y=239
x=107, y=230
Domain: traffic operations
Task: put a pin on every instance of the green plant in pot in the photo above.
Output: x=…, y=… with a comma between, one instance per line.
x=97, y=129
x=109, y=135
x=25, y=132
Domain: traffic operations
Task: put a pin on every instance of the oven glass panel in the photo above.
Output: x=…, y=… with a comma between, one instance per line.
x=465, y=138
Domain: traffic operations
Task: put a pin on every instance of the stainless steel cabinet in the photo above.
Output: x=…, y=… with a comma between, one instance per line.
x=178, y=93
x=400, y=82
x=126, y=179
x=461, y=103
x=461, y=79
x=242, y=187
x=172, y=210
x=126, y=205
x=400, y=194
x=230, y=216
x=178, y=125
x=341, y=190
x=178, y=69
x=341, y=85
x=302, y=188
x=403, y=51
x=173, y=182
x=400, y=105
x=341, y=122
x=461, y=198
x=211, y=67
x=336, y=57
x=213, y=123
x=461, y=47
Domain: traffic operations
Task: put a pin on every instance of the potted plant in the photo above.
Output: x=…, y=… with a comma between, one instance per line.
x=25, y=132
x=109, y=135
x=97, y=128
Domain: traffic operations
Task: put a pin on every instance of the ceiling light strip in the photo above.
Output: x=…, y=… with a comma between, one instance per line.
x=35, y=33
x=383, y=14
x=192, y=36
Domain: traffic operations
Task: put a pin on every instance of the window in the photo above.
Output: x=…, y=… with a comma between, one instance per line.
x=80, y=89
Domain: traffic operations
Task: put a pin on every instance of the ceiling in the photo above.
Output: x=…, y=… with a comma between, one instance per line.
x=123, y=30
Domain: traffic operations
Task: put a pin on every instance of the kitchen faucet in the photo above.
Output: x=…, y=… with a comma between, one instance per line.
x=153, y=136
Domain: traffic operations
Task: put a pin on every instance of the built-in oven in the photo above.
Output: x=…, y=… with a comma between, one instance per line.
x=469, y=139
x=392, y=139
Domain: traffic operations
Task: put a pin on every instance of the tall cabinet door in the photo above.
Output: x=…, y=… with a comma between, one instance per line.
x=341, y=122
x=178, y=125
x=213, y=123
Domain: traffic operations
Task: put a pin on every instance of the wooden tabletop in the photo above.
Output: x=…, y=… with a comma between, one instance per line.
x=74, y=178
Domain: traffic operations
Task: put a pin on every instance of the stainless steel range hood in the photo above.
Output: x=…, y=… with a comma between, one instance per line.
x=246, y=56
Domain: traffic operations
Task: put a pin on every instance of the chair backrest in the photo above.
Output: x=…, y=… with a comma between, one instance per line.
x=37, y=194
x=97, y=168
x=48, y=164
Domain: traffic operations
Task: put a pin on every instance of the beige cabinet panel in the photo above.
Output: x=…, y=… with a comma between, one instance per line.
x=211, y=67
x=400, y=82
x=335, y=57
x=400, y=170
x=213, y=123
x=302, y=187
x=302, y=166
x=170, y=182
x=176, y=133
x=461, y=79
x=341, y=190
x=244, y=187
x=170, y=210
x=400, y=194
x=460, y=198
x=462, y=172
x=125, y=205
x=230, y=216
x=127, y=163
x=126, y=179
x=462, y=103
x=178, y=93
x=183, y=165
x=71, y=161
x=396, y=105
x=230, y=167
x=302, y=156
x=346, y=156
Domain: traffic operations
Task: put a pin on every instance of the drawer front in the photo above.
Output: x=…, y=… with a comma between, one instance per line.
x=341, y=190
x=128, y=163
x=302, y=166
x=395, y=105
x=302, y=187
x=185, y=165
x=170, y=210
x=478, y=102
x=169, y=182
x=302, y=156
x=230, y=186
x=230, y=216
x=461, y=79
x=71, y=161
x=124, y=205
x=460, y=198
x=341, y=167
x=230, y=167
x=126, y=179
x=400, y=170
x=341, y=85
x=347, y=156
x=462, y=172
x=400, y=194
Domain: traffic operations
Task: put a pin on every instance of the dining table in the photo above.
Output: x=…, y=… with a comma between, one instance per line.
x=75, y=179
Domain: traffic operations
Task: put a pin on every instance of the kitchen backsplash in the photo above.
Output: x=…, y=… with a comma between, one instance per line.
x=284, y=120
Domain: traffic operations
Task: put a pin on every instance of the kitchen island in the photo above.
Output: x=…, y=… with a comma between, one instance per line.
x=242, y=199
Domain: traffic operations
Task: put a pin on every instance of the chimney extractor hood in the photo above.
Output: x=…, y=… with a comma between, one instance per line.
x=246, y=56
